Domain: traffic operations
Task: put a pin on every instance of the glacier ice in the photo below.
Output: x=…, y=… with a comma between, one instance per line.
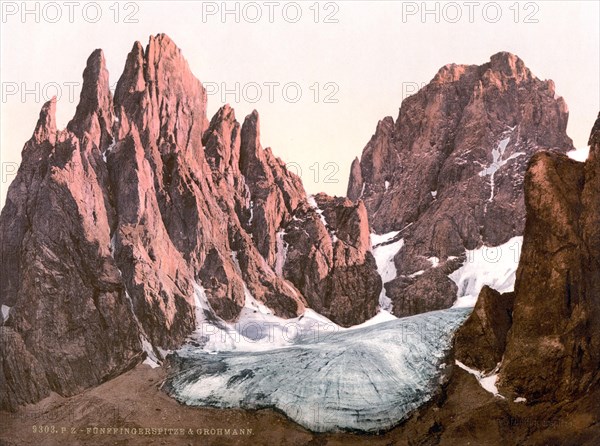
x=366, y=379
x=325, y=377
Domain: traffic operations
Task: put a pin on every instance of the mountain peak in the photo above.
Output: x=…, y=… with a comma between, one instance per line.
x=510, y=65
x=450, y=170
x=45, y=129
x=158, y=87
x=160, y=48
x=507, y=64
x=254, y=117
x=252, y=126
x=162, y=40
x=452, y=72
x=94, y=113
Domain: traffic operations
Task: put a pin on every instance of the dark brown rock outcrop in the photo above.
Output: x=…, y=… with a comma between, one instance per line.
x=16, y=362
x=481, y=341
x=546, y=335
x=430, y=290
x=553, y=347
x=449, y=171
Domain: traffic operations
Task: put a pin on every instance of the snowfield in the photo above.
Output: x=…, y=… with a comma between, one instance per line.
x=493, y=266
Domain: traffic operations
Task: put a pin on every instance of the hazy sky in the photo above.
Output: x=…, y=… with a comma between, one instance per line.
x=325, y=72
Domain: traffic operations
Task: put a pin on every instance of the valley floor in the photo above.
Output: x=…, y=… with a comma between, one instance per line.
x=464, y=414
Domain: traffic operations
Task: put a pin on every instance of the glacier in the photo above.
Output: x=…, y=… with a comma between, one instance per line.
x=327, y=378
x=365, y=379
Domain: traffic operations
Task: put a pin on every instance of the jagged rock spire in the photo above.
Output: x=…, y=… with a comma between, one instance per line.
x=94, y=114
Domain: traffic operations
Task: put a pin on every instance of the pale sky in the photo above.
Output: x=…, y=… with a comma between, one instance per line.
x=370, y=57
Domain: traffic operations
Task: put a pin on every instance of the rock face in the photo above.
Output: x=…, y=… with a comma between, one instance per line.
x=113, y=224
x=431, y=289
x=284, y=247
x=481, y=341
x=553, y=347
x=70, y=316
x=329, y=259
x=448, y=173
x=16, y=362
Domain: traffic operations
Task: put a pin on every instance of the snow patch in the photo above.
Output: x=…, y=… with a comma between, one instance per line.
x=5, y=312
x=256, y=330
x=108, y=150
x=580, y=154
x=254, y=305
x=416, y=274
x=151, y=358
x=488, y=382
x=492, y=266
x=497, y=163
x=313, y=203
x=387, y=185
x=282, y=248
x=384, y=258
x=251, y=213
x=113, y=244
x=377, y=239
x=379, y=318
x=435, y=261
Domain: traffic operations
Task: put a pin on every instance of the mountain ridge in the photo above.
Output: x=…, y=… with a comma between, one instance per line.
x=112, y=223
x=116, y=224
